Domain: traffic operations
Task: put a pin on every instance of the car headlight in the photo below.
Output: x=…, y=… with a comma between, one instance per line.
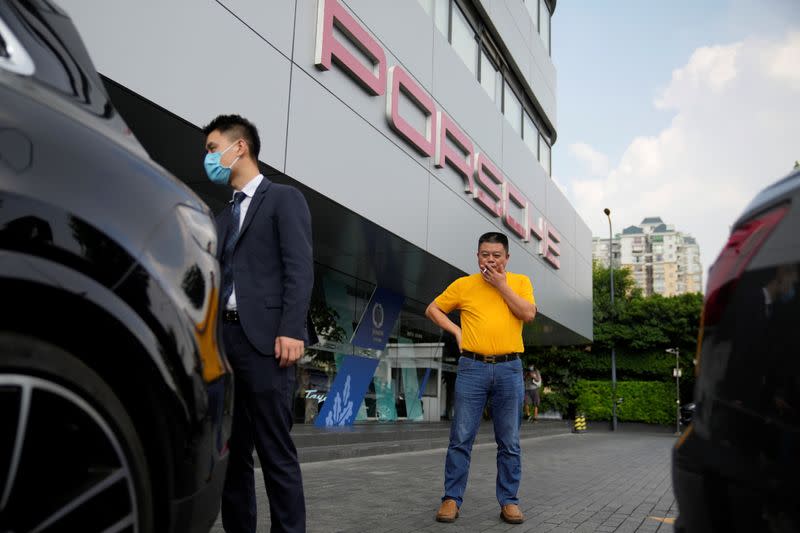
x=13, y=56
x=201, y=227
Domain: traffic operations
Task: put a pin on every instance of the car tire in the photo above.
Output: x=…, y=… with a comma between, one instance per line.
x=72, y=460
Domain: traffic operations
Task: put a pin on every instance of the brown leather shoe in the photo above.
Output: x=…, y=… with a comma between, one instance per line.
x=510, y=513
x=448, y=511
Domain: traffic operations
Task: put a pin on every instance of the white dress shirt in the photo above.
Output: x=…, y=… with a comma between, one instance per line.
x=249, y=190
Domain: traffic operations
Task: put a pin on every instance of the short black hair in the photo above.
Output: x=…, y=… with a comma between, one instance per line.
x=496, y=237
x=239, y=127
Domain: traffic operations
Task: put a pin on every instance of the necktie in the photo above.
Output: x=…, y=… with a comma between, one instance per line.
x=230, y=244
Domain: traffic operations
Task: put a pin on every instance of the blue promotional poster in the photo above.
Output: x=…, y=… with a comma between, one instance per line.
x=378, y=320
x=347, y=392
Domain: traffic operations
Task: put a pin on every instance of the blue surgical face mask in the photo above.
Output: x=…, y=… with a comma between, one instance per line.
x=216, y=172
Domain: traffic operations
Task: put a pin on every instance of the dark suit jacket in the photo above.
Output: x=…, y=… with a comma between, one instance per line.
x=273, y=265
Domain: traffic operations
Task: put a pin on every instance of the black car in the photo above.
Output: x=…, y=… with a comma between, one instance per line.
x=737, y=466
x=115, y=396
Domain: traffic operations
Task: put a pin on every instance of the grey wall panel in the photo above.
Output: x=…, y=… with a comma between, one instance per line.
x=405, y=29
x=372, y=108
x=274, y=21
x=583, y=258
x=542, y=59
x=458, y=92
x=522, y=20
x=554, y=297
x=564, y=305
x=580, y=315
x=174, y=72
x=583, y=277
x=520, y=165
x=454, y=227
x=335, y=79
x=551, y=296
x=451, y=179
x=544, y=87
x=583, y=238
x=523, y=262
x=567, y=271
x=536, y=211
x=560, y=213
x=340, y=155
x=514, y=40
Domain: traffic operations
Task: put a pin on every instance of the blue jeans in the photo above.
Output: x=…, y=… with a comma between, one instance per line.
x=502, y=385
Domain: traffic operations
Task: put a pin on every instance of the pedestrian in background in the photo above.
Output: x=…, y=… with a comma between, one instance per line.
x=494, y=304
x=264, y=237
x=533, y=382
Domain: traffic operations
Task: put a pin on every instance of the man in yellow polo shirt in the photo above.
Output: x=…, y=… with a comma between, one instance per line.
x=493, y=304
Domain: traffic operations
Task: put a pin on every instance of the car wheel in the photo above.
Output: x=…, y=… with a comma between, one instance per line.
x=70, y=458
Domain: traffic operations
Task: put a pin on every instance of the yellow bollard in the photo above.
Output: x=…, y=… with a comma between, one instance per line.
x=580, y=424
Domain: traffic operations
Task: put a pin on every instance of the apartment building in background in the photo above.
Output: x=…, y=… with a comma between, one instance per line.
x=662, y=259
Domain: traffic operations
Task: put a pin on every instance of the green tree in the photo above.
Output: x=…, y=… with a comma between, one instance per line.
x=641, y=329
x=640, y=324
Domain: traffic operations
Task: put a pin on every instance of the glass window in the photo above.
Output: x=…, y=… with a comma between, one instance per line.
x=531, y=135
x=533, y=9
x=441, y=16
x=544, y=24
x=544, y=154
x=512, y=108
x=490, y=79
x=463, y=41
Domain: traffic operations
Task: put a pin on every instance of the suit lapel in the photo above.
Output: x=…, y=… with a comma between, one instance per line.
x=255, y=203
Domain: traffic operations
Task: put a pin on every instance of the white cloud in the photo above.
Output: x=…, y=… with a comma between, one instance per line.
x=710, y=69
x=597, y=162
x=785, y=63
x=735, y=130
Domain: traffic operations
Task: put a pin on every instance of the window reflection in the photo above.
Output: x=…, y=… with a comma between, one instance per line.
x=463, y=41
x=410, y=382
x=512, y=108
x=530, y=135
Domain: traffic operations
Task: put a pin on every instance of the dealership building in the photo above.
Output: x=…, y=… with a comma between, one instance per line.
x=411, y=126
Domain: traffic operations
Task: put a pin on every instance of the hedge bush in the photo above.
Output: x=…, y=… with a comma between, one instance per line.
x=652, y=402
x=553, y=401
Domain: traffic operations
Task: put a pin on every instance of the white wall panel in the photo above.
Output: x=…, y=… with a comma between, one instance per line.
x=337, y=153
x=405, y=29
x=156, y=50
x=274, y=21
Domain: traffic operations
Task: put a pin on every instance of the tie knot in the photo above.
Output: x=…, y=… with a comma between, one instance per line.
x=238, y=196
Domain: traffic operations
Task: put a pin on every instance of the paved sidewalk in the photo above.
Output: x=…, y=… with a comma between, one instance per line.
x=590, y=482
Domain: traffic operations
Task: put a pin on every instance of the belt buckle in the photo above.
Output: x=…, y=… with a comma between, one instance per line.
x=492, y=359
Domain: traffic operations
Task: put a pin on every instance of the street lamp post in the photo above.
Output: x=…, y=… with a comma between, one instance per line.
x=607, y=211
x=677, y=373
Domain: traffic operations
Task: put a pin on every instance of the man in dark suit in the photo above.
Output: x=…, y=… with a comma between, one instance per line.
x=267, y=277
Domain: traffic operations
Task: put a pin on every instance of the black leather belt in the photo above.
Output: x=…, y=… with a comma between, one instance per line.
x=230, y=316
x=503, y=358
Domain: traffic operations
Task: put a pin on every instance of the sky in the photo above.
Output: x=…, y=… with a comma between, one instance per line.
x=683, y=109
